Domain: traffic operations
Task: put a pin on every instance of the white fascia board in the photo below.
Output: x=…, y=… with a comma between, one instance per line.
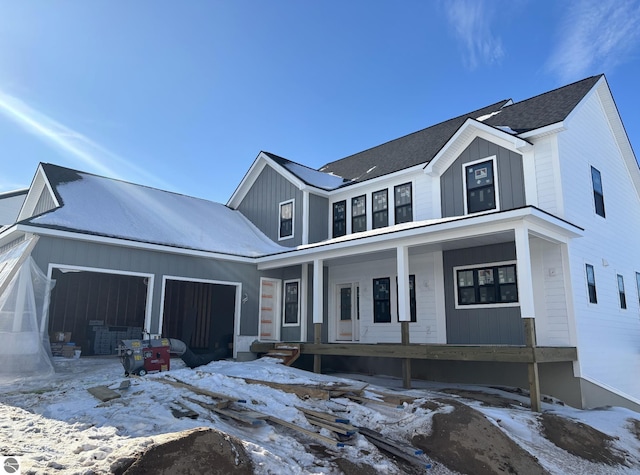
x=352, y=189
x=40, y=182
x=9, y=235
x=542, y=131
x=427, y=232
x=131, y=244
x=464, y=136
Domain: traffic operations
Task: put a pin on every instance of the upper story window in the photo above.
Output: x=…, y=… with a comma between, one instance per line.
x=286, y=220
x=591, y=283
x=403, y=203
x=380, y=208
x=359, y=214
x=480, y=186
x=339, y=218
x=292, y=302
x=486, y=285
x=621, y=293
x=598, y=195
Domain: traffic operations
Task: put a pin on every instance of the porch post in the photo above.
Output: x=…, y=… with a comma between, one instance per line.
x=404, y=312
x=318, y=288
x=527, y=310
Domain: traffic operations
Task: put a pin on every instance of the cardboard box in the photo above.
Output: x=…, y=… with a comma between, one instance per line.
x=60, y=337
x=69, y=351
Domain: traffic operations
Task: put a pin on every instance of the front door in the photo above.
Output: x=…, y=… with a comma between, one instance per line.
x=348, y=312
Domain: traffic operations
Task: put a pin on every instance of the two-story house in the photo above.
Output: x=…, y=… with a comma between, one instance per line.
x=421, y=256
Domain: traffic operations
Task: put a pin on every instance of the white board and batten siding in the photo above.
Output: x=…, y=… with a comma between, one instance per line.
x=425, y=330
x=608, y=336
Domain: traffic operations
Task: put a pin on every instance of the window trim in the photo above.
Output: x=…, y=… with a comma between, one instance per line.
x=284, y=303
x=386, y=210
x=363, y=215
x=333, y=218
x=373, y=298
x=293, y=219
x=395, y=208
x=484, y=265
x=413, y=301
x=496, y=187
x=638, y=285
x=588, y=266
x=597, y=193
x=622, y=294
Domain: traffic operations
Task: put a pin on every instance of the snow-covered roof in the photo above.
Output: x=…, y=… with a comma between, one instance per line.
x=315, y=178
x=106, y=207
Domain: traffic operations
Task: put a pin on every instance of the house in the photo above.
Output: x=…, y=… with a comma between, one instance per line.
x=495, y=248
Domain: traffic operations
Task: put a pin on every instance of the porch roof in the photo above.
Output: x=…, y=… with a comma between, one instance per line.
x=434, y=234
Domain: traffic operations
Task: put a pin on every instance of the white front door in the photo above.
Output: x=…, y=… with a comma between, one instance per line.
x=269, y=325
x=348, y=312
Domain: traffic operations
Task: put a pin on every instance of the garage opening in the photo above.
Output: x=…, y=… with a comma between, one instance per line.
x=98, y=309
x=201, y=314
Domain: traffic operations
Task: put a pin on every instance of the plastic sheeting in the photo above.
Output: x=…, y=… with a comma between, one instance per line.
x=24, y=341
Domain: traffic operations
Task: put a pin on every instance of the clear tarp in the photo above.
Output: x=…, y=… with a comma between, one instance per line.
x=24, y=341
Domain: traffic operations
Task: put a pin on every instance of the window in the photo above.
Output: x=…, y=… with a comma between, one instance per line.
x=621, y=294
x=591, y=284
x=481, y=193
x=404, y=214
x=345, y=303
x=339, y=218
x=359, y=214
x=491, y=284
x=638, y=285
x=286, y=220
x=380, y=209
x=598, y=195
x=382, y=300
x=291, y=302
x=412, y=298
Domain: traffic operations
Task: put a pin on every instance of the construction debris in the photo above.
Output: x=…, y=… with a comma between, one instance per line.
x=285, y=352
x=402, y=450
x=103, y=393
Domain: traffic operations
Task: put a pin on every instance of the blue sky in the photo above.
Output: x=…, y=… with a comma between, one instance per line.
x=184, y=95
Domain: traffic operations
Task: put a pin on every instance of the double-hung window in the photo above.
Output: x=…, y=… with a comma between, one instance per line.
x=292, y=302
x=598, y=195
x=382, y=300
x=359, y=214
x=380, y=208
x=286, y=220
x=492, y=284
x=621, y=293
x=591, y=283
x=403, y=203
x=480, y=186
x=339, y=218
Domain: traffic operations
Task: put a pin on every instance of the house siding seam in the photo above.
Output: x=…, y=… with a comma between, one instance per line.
x=607, y=336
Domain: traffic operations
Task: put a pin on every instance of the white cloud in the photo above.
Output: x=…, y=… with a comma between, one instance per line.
x=471, y=21
x=87, y=154
x=595, y=36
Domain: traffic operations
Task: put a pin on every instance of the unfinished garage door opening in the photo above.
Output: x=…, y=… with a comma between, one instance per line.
x=201, y=313
x=99, y=308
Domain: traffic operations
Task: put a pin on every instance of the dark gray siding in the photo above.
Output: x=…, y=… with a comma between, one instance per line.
x=86, y=254
x=318, y=218
x=261, y=205
x=509, y=174
x=478, y=325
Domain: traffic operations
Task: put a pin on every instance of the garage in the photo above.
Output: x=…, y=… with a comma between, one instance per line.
x=201, y=313
x=98, y=308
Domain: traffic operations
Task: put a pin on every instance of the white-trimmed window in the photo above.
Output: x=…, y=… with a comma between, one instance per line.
x=380, y=209
x=591, y=283
x=638, y=285
x=621, y=293
x=359, y=214
x=480, y=185
x=287, y=212
x=598, y=194
x=487, y=285
x=403, y=203
x=339, y=218
x=291, y=312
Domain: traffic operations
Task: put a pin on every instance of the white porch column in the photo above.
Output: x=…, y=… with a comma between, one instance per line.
x=402, y=262
x=318, y=287
x=523, y=266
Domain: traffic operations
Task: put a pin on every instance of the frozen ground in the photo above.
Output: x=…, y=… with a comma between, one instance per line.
x=57, y=426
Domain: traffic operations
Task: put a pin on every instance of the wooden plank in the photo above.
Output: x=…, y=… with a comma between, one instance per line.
x=323, y=415
x=338, y=428
x=372, y=401
x=252, y=418
x=302, y=392
x=532, y=368
x=302, y=430
x=397, y=399
x=404, y=451
x=197, y=390
x=104, y=393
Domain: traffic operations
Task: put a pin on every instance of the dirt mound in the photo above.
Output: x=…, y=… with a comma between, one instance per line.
x=465, y=441
x=581, y=440
x=193, y=451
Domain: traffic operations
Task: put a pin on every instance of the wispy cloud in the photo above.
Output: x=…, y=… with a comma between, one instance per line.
x=85, y=153
x=471, y=21
x=594, y=37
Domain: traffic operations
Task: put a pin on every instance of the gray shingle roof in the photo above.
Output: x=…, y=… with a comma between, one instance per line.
x=324, y=181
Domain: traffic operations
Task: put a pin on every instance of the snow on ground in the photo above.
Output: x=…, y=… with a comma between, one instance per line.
x=56, y=426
